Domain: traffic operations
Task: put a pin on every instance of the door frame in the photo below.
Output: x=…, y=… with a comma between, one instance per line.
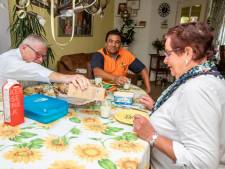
x=185, y=3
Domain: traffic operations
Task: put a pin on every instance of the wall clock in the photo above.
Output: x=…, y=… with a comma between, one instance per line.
x=164, y=9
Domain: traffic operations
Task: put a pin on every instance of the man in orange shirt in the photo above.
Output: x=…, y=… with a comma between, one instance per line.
x=113, y=62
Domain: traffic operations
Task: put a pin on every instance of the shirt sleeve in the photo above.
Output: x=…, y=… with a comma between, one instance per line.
x=197, y=124
x=22, y=70
x=136, y=66
x=97, y=60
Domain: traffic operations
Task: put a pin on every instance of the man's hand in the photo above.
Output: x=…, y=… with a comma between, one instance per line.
x=78, y=81
x=120, y=80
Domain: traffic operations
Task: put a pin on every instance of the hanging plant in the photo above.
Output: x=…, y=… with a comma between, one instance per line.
x=127, y=32
x=21, y=27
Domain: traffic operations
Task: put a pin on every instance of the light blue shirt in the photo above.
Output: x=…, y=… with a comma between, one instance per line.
x=12, y=66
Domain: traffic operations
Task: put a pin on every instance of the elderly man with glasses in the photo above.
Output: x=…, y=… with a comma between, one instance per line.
x=24, y=62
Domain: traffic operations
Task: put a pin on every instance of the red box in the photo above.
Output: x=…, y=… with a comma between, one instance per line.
x=13, y=103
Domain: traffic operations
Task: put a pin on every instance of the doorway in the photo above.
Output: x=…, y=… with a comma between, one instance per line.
x=191, y=11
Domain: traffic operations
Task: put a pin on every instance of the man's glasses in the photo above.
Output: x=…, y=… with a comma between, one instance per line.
x=168, y=53
x=44, y=56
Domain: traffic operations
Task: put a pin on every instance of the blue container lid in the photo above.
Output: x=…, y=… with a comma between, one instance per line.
x=44, y=106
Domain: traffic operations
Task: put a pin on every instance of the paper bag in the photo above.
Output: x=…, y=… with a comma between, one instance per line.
x=91, y=93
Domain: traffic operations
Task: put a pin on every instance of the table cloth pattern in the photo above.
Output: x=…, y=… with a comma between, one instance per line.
x=80, y=140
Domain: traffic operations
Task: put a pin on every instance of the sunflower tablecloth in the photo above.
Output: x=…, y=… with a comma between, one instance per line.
x=80, y=140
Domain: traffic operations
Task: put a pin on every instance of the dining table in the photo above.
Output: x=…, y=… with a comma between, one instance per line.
x=80, y=140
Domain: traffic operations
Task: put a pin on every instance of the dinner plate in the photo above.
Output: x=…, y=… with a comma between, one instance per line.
x=127, y=116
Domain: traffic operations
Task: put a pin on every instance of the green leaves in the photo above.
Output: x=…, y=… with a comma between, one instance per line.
x=27, y=134
x=75, y=131
x=20, y=28
x=107, y=164
x=33, y=144
x=110, y=130
x=59, y=140
x=75, y=120
x=128, y=136
x=22, y=135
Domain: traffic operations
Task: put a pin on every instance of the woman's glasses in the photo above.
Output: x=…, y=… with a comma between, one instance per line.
x=168, y=53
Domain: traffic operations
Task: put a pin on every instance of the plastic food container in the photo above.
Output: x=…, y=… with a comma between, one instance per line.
x=123, y=98
x=44, y=109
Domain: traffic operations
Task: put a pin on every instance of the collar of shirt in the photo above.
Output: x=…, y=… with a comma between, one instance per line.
x=19, y=53
x=116, y=56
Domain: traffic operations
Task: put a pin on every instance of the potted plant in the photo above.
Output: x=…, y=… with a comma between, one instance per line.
x=21, y=27
x=158, y=45
x=127, y=32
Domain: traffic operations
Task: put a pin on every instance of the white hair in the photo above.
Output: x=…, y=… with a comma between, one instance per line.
x=30, y=39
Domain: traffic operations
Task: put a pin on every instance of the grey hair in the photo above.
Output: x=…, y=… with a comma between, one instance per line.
x=32, y=38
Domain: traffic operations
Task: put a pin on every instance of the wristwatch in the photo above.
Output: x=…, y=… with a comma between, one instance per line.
x=155, y=135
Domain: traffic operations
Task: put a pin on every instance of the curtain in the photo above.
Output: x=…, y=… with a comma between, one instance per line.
x=217, y=13
x=217, y=21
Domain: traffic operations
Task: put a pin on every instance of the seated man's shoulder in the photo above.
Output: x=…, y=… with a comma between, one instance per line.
x=97, y=54
x=123, y=51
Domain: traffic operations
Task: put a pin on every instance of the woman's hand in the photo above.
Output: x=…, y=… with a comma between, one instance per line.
x=143, y=127
x=147, y=101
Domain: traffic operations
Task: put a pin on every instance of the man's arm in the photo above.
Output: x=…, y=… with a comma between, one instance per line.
x=99, y=72
x=138, y=67
x=119, y=80
x=97, y=64
x=77, y=80
x=145, y=77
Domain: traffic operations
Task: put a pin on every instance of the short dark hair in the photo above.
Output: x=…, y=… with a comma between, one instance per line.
x=112, y=32
x=197, y=35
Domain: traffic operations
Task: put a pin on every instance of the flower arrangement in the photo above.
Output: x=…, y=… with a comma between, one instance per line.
x=127, y=32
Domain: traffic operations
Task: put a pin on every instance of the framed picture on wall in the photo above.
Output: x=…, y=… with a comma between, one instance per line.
x=82, y=26
x=121, y=8
x=132, y=12
x=133, y=4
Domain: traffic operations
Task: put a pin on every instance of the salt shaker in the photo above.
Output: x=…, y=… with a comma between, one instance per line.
x=105, y=109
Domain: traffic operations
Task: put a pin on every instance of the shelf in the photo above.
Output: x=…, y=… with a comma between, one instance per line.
x=139, y=26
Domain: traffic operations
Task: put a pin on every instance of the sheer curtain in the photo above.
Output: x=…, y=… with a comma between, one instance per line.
x=217, y=21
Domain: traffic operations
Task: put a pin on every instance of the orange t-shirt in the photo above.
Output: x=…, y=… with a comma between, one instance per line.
x=118, y=66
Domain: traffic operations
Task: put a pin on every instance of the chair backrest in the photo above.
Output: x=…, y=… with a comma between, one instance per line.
x=68, y=64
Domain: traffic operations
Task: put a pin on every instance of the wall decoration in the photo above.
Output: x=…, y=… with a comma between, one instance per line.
x=132, y=12
x=164, y=9
x=133, y=4
x=83, y=25
x=164, y=24
x=142, y=23
x=121, y=7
